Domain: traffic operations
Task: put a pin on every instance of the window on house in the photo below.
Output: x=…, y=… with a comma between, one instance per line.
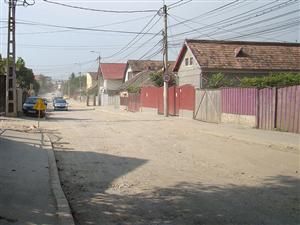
x=191, y=61
x=186, y=61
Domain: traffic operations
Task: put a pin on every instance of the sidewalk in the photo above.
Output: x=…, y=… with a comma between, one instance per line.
x=25, y=191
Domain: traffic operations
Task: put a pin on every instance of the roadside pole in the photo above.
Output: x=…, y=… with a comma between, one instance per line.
x=39, y=106
x=165, y=75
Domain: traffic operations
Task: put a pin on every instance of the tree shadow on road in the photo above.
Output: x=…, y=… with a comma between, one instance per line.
x=94, y=200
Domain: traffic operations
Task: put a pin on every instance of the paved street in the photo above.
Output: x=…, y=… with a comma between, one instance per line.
x=138, y=168
x=25, y=193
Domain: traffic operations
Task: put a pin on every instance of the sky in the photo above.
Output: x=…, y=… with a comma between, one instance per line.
x=56, y=40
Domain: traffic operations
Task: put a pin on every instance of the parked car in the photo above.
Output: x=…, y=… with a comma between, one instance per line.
x=28, y=107
x=56, y=98
x=60, y=104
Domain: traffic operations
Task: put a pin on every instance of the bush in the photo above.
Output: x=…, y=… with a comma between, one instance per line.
x=219, y=80
x=273, y=80
x=133, y=89
x=158, y=80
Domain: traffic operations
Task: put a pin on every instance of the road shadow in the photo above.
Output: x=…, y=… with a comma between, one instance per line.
x=25, y=195
x=88, y=181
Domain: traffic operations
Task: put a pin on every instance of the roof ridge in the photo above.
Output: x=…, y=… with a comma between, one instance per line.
x=241, y=42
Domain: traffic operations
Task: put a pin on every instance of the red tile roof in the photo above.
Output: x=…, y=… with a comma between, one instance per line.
x=112, y=71
x=243, y=55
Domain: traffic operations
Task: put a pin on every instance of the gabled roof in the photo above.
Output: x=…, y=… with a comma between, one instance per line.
x=139, y=80
x=148, y=65
x=242, y=55
x=112, y=71
x=141, y=65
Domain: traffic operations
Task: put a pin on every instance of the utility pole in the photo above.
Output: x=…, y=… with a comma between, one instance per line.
x=11, y=92
x=165, y=70
x=80, y=82
x=98, y=76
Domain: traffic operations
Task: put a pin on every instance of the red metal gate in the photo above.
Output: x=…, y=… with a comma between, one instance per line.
x=133, y=102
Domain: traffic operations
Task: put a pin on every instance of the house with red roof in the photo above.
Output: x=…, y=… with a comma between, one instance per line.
x=111, y=76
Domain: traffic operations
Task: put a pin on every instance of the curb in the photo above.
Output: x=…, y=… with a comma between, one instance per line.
x=63, y=209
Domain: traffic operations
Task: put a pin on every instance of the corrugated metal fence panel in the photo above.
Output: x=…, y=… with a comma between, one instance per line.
x=187, y=97
x=2, y=92
x=134, y=102
x=267, y=98
x=240, y=101
x=124, y=101
x=173, y=107
x=208, y=106
x=288, y=109
x=149, y=97
x=113, y=100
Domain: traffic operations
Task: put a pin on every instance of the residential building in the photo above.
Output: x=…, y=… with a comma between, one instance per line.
x=111, y=77
x=198, y=60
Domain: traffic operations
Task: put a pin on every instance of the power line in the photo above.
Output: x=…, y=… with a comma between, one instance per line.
x=134, y=38
x=84, y=28
x=243, y=18
x=100, y=10
x=210, y=12
x=178, y=3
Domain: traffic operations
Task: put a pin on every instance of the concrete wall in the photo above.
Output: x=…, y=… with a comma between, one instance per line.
x=189, y=74
x=245, y=120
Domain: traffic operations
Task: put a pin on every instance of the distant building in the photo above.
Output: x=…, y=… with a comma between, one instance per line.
x=111, y=77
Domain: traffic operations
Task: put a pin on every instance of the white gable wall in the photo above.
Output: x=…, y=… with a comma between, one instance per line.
x=127, y=73
x=189, y=74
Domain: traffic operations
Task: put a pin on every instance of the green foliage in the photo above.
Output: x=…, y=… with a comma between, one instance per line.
x=72, y=85
x=157, y=79
x=219, y=80
x=273, y=80
x=24, y=75
x=2, y=66
x=133, y=89
x=46, y=84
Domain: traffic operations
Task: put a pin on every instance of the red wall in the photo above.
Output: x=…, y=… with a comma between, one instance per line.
x=186, y=95
x=182, y=97
x=149, y=97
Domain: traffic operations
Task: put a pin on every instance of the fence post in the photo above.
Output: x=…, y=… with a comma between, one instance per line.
x=274, y=107
x=257, y=108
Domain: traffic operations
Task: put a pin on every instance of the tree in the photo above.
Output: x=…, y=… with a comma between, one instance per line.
x=25, y=76
x=158, y=80
x=2, y=65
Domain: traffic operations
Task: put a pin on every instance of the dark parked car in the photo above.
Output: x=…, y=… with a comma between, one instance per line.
x=28, y=107
x=60, y=104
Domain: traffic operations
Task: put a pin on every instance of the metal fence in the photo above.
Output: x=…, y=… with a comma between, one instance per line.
x=241, y=101
x=288, y=109
x=134, y=102
x=2, y=93
x=208, y=106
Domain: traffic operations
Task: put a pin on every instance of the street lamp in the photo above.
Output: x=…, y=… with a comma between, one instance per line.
x=98, y=76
